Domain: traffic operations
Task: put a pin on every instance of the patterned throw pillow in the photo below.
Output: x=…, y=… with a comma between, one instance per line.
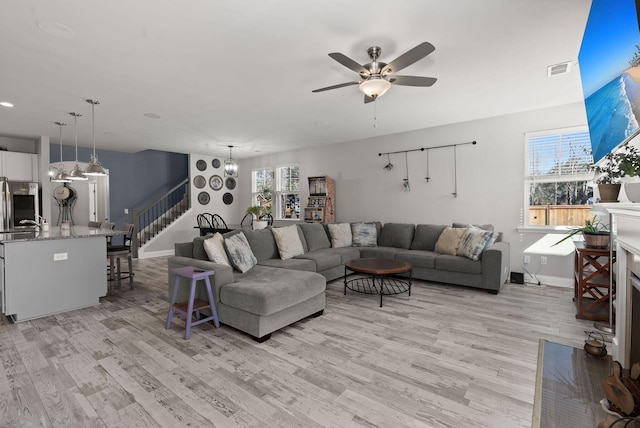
x=288, y=241
x=448, y=241
x=214, y=247
x=364, y=235
x=340, y=234
x=473, y=242
x=240, y=254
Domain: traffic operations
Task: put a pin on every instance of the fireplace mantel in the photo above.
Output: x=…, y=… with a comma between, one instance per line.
x=626, y=228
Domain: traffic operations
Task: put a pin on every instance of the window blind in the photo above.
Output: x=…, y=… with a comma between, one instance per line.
x=559, y=155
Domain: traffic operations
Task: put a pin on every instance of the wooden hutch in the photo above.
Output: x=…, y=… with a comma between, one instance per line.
x=320, y=204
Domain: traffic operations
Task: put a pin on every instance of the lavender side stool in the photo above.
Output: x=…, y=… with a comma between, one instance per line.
x=192, y=305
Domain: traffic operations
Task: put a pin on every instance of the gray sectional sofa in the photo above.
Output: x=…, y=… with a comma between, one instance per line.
x=276, y=292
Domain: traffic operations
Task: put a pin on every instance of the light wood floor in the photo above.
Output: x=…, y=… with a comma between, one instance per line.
x=445, y=357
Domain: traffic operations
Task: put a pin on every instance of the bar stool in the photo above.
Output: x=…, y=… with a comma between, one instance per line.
x=192, y=305
x=116, y=252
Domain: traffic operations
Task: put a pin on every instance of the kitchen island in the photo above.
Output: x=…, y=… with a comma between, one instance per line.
x=48, y=272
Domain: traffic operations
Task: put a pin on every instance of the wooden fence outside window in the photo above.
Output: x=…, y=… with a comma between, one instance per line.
x=558, y=215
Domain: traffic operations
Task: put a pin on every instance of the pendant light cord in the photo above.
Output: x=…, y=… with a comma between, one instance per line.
x=60, y=125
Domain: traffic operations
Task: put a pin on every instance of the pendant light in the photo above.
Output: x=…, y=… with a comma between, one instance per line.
x=231, y=165
x=405, y=181
x=94, y=168
x=61, y=176
x=388, y=166
x=76, y=173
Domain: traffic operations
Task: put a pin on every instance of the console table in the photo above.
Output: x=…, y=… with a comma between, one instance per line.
x=592, y=270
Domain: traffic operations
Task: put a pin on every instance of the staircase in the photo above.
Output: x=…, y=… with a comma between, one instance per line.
x=160, y=213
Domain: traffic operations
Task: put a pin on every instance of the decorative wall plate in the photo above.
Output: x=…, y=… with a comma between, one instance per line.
x=199, y=181
x=230, y=182
x=215, y=182
x=227, y=198
x=201, y=165
x=215, y=163
x=203, y=198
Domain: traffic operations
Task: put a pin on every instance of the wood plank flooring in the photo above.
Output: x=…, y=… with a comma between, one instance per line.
x=445, y=357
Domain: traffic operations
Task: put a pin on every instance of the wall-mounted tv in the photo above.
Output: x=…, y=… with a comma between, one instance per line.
x=609, y=61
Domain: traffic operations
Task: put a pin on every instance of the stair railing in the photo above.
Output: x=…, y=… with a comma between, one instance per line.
x=151, y=219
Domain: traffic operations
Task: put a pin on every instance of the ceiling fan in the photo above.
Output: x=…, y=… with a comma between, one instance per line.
x=377, y=77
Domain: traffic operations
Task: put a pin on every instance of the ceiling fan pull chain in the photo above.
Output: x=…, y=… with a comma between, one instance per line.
x=375, y=112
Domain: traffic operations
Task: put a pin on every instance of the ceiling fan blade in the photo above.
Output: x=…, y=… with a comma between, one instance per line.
x=412, y=80
x=349, y=63
x=408, y=58
x=341, y=85
x=368, y=99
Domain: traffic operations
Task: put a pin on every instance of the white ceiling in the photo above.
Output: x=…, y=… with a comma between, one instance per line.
x=241, y=72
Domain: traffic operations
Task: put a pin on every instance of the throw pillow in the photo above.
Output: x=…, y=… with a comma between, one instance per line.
x=288, y=241
x=448, y=241
x=340, y=235
x=240, y=254
x=214, y=247
x=364, y=235
x=473, y=242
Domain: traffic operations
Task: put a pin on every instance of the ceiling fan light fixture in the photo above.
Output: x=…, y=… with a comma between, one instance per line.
x=375, y=87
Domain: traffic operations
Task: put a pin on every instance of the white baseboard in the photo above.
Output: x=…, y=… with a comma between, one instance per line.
x=555, y=281
x=151, y=254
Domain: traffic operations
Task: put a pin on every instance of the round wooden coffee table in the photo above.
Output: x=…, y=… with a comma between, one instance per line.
x=381, y=280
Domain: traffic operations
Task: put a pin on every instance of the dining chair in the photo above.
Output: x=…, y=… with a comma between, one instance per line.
x=211, y=223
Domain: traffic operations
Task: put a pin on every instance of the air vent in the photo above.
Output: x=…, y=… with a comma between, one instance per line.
x=558, y=69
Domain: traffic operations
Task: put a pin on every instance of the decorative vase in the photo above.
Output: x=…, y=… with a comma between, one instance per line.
x=598, y=240
x=632, y=190
x=609, y=192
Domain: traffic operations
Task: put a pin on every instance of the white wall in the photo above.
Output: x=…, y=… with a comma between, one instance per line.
x=490, y=177
x=490, y=174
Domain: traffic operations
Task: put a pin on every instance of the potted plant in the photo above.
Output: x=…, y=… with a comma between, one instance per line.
x=629, y=160
x=609, y=179
x=595, y=233
x=256, y=211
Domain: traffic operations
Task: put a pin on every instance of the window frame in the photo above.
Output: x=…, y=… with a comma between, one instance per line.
x=279, y=193
x=255, y=192
x=529, y=179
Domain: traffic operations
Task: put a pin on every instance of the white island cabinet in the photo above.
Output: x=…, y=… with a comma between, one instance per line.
x=52, y=272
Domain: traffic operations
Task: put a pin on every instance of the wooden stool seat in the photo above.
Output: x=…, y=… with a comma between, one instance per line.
x=192, y=305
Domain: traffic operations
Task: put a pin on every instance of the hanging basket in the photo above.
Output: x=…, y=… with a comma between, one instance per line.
x=598, y=240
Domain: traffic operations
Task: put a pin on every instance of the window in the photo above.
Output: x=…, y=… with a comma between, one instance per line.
x=287, y=192
x=557, y=176
x=261, y=188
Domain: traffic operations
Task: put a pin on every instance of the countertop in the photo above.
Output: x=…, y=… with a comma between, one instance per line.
x=56, y=233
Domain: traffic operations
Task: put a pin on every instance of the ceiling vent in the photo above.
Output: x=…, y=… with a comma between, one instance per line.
x=558, y=69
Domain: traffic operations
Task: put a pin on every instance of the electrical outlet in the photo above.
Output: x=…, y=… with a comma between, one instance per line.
x=543, y=260
x=126, y=210
x=527, y=259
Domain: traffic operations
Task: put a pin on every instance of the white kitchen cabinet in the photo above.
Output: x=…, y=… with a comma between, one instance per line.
x=18, y=166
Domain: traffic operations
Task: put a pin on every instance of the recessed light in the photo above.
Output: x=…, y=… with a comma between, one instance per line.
x=6, y=104
x=56, y=29
x=152, y=116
